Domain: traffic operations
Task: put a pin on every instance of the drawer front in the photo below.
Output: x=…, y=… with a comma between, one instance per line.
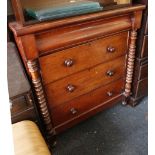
x=67, y=62
x=85, y=81
x=144, y=52
x=143, y=72
x=74, y=108
x=66, y=36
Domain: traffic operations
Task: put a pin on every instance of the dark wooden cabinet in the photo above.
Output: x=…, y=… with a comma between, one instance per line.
x=80, y=65
x=140, y=84
x=22, y=108
x=22, y=103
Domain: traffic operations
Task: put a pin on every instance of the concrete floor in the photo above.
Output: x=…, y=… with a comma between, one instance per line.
x=116, y=131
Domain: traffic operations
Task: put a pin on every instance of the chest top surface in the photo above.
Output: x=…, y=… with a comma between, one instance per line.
x=20, y=30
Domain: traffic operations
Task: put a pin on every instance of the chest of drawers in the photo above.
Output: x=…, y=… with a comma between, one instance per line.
x=80, y=65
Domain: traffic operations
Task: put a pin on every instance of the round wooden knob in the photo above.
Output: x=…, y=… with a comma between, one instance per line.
x=110, y=73
x=70, y=88
x=110, y=93
x=69, y=62
x=111, y=49
x=73, y=111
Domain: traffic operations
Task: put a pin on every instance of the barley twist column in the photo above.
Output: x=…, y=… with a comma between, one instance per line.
x=42, y=103
x=130, y=65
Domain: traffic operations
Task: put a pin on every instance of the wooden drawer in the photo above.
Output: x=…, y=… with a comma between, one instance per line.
x=85, y=103
x=143, y=72
x=61, y=37
x=67, y=62
x=85, y=81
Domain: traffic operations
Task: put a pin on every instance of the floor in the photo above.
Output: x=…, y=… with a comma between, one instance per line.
x=116, y=131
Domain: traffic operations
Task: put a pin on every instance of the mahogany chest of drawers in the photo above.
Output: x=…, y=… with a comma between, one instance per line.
x=80, y=65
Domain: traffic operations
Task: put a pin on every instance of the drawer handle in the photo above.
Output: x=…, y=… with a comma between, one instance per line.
x=69, y=62
x=110, y=93
x=70, y=88
x=111, y=49
x=73, y=111
x=110, y=73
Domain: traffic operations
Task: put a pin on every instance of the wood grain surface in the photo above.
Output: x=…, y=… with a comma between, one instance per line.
x=84, y=81
x=83, y=57
x=85, y=102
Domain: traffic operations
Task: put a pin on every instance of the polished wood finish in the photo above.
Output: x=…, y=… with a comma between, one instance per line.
x=84, y=81
x=130, y=65
x=80, y=61
x=17, y=8
x=80, y=55
x=33, y=69
x=79, y=105
x=20, y=30
x=104, y=105
x=52, y=40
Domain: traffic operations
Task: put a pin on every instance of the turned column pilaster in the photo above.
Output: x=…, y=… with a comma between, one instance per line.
x=130, y=65
x=42, y=103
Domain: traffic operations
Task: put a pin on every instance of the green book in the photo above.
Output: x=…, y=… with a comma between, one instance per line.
x=65, y=10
